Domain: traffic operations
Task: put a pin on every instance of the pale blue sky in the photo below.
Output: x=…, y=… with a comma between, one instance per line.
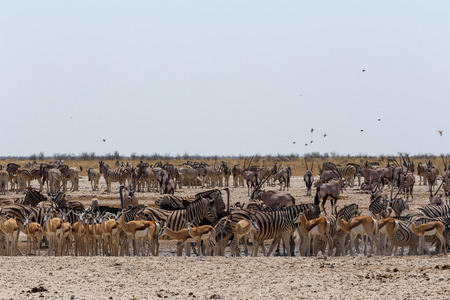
x=224, y=77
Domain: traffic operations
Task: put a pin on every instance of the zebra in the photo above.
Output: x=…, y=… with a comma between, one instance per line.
x=195, y=212
x=422, y=172
x=36, y=175
x=176, y=220
x=4, y=178
x=238, y=175
x=434, y=211
x=226, y=172
x=33, y=198
x=244, y=214
x=23, y=179
x=74, y=177
x=147, y=175
x=189, y=175
x=94, y=178
x=115, y=175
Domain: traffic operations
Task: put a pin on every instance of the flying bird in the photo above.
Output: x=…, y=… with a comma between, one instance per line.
x=104, y=140
x=362, y=130
x=440, y=132
x=306, y=144
x=363, y=70
x=312, y=129
x=293, y=142
x=311, y=142
x=379, y=120
x=325, y=135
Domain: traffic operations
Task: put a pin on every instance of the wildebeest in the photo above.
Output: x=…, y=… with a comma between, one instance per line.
x=271, y=197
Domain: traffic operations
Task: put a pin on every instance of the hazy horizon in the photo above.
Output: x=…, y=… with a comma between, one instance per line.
x=224, y=78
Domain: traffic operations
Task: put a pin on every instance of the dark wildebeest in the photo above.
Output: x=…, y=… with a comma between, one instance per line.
x=271, y=197
x=331, y=189
x=284, y=176
x=169, y=186
x=251, y=178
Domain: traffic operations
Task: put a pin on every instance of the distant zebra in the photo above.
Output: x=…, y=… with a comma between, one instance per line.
x=74, y=177
x=4, y=178
x=189, y=175
x=94, y=178
x=238, y=175
x=226, y=172
x=24, y=179
x=110, y=175
x=36, y=175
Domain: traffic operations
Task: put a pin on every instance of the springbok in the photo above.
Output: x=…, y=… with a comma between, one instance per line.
x=316, y=227
x=387, y=227
x=429, y=229
x=134, y=229
x=34, y=234
x=246, y=230
x=11, y=230
x=205, y=233
x=363, y=225
x=52, y=229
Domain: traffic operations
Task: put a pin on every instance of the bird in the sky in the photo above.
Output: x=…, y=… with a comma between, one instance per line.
x=306, y=144
x=379, y=120
x=362, y=130
x=440, y=132
x=363, y=70
x=311, y=142
x=325, y=135
x=312, y=129
x=293, y=142
x=104, y=140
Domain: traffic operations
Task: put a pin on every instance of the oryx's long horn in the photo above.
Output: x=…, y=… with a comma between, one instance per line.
x=438, y=188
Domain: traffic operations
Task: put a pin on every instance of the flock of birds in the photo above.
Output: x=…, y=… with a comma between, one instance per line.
x=362, y=130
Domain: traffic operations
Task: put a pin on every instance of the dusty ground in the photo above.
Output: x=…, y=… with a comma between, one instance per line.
x=224, y=277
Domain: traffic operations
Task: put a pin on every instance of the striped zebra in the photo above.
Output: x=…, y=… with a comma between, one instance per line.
x=33, y=198
x=195, y=213
x=188, y=175
x=36, y=175
x=244, y=214
x=74, y=177
x=172, y=202
x=4, y=178
x=226, y=172
x=94, y=178
x=405, y=237
x=24, y=178
x=115, y=175
x=434, y=211
x=238, y=175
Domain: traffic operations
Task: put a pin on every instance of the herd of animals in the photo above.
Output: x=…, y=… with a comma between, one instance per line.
x=66, y=227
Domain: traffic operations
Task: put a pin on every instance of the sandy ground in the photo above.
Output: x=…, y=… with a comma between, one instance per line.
x=168, y=276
